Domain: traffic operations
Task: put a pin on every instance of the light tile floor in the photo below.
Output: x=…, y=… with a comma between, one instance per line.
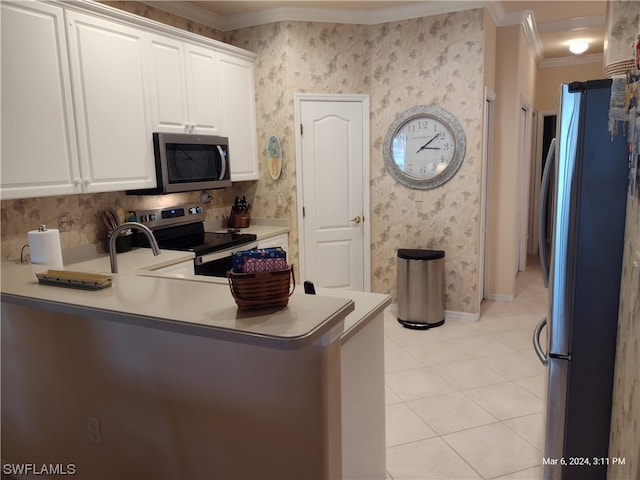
x=464, y=400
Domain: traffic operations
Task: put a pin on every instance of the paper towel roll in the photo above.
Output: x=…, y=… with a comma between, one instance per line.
x=44, y=247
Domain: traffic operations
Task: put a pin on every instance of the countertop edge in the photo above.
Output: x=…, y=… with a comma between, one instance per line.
x=364, y=321
x=249, y=338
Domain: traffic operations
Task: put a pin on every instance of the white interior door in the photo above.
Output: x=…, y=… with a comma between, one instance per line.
x=333, y=187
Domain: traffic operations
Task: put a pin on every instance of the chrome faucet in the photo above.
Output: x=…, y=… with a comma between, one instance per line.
x=123, y=226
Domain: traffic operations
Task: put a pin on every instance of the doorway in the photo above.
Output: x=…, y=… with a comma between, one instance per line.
x=332, y=173
x=487, y=154
x=545, y=132
x=522, y=216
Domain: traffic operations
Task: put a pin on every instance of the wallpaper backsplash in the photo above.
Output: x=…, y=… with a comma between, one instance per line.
x=401, y=64
x=78, y=216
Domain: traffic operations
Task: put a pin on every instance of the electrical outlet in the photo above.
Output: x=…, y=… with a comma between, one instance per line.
x=95, y=432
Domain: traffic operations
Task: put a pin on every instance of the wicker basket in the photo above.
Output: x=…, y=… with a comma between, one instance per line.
x=621, y=67
x=261, y=290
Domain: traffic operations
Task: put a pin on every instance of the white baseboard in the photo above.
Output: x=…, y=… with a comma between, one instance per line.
x=467, y=317
x=498, y=297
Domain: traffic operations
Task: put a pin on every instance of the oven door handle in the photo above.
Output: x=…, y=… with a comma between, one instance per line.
x=212, y=257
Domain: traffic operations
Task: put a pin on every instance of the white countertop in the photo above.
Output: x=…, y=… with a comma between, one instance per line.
x=262, y=228
x=136, y=259
x=193, y=304
x=184, y=304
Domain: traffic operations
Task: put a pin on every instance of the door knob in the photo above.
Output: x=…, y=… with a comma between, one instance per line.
x=356, y=219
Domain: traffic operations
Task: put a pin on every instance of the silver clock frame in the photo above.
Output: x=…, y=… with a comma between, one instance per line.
x=460, y=145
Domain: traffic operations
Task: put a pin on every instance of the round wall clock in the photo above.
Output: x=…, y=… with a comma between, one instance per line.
x=424, y=146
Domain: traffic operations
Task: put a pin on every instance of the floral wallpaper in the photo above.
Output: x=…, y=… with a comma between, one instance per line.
x=625, y=420
x=623, y=23
x=400, y=64
x=435, y=59
x=297, y=57
x=621, y=29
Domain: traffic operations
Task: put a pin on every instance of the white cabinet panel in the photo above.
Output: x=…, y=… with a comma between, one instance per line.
x=276, y=241
x=237, y=97
x=185, y=268
x=39, y=155
x=116, y=150
x=184, y=87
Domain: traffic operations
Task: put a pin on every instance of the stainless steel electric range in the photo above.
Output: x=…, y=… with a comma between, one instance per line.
x=182, y=228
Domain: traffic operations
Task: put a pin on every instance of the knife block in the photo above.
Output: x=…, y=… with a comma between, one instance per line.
x=239, y=219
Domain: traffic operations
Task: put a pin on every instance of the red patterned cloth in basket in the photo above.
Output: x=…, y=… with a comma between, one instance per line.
x=259, y=260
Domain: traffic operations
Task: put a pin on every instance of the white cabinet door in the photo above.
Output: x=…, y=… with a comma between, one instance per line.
x=39, y=155
x=184, y=87
x=202, y=89
x=114, y=138
x=168, y=89
x=237, y=101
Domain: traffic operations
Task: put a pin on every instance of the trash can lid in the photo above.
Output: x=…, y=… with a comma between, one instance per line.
x=417, y=254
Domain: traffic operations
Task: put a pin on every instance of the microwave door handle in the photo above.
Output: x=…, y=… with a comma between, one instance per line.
x=544, y=200
x=223, y=167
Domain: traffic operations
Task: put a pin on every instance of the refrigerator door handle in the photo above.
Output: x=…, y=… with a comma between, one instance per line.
x=544, y=357
x=542, y=217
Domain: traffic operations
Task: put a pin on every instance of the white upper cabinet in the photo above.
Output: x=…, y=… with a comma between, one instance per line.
x=238, y=107
x=111, y=104
x=39, y=155
x=184, y=86
x=85, y=85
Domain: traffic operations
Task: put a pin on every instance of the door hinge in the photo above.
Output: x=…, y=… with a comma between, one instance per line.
x=304, y=213
x=301, y=129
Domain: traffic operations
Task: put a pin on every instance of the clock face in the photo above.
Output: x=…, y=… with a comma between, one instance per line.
x=424, y=146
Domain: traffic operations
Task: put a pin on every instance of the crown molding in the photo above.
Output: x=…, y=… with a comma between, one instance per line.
x=190, y=12
x=496, y=11
x=304, y=14
x=402, y=12
x=528, y=22
x=572, y=60
x=572, y=24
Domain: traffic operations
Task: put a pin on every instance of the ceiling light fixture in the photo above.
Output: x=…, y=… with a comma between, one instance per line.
x=578, y=47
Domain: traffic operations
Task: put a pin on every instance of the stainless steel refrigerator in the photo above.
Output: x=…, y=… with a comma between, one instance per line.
x=584, y=192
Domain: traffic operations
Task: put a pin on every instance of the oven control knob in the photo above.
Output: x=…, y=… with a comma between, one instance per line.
x=152, y=217
x=143, y=218
x=199, y=210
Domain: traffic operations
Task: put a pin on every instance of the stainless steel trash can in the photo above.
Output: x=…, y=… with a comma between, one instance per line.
x=420, y=288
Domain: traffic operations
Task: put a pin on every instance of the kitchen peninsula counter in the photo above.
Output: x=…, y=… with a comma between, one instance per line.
x=185, y=304
x=174, y=372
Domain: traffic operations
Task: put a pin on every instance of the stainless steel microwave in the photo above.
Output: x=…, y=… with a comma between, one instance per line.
x=186, y=162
